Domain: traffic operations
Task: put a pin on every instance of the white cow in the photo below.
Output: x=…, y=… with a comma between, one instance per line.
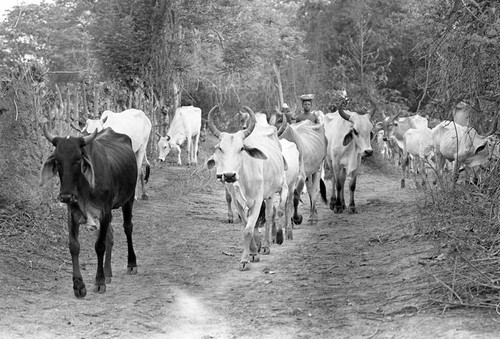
x=137, y=126
x=417, y=144
x=251, y=165
x=311, y=143
x=395, y=128
x=291, y=155
x=185, y=127
x=348, y=135
x=461, y=144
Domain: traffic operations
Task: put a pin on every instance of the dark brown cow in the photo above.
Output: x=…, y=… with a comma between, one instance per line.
x=97, y=173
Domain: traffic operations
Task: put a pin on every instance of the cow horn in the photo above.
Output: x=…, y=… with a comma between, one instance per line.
x=283, y=126
x=211, y=124
x=342, y=113
x=47, y=134
x=397, y=115
x=375, y=107
x=89, y=138
x=495, y=123
x=76, y=128
x=247, y=131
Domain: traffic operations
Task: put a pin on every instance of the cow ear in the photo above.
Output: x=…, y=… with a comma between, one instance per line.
x=255, y=152
x=49, y=170
x=88, y=170
x=210, y=162
x=285, y=164
x=347, y=138
x=480, y=148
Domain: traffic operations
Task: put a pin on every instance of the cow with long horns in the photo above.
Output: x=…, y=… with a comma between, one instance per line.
x=348, y=134
x=251, y=165
x=97, y=173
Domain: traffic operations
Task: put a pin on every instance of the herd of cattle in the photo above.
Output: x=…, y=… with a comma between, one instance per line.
x=99, y=170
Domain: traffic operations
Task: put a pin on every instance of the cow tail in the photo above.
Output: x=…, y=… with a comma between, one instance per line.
x=322, y=190
x=148, y=171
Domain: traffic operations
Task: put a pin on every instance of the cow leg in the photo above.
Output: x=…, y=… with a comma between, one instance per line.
x=266, y=245
x=352, y=188
x=239, y=209
x=74, y=248
x=404, y=168
x=297, y=218
x=179, y=162
x=195, y=148
x=340, y=176
x=107, y=259
x=100, y=249
x=333, y=197
x=423, y=170
x=189, y=142
x=140, y=155
x=312, y=186
x=281, y=211
x=288, y=207
x=230, y=218
x=250, y=249
x=128, y=227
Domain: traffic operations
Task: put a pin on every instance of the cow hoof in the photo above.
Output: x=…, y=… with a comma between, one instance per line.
x=79, y=288
x=352, y=210
x=98, y=288
x=289, y=235
x=257, y=243
x=132, y=270
x=244, y=266
x=338, y=209
x=230, y=221
x=254, y=258
x=265, y=250
x=107, y=280
x=279, y=237
x=297, y=220
x=145, y=197
x=80, y=292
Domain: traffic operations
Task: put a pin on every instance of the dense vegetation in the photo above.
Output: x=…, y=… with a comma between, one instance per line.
x=66, y=59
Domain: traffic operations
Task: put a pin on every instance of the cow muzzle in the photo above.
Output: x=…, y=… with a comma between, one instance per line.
x=368, y=153
x=67, y=198
x=227, y=177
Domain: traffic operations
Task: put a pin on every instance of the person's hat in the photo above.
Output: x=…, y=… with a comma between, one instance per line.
x=307, y=97
x=285, y=106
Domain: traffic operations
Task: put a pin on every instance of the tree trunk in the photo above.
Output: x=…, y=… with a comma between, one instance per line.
x=279, y=85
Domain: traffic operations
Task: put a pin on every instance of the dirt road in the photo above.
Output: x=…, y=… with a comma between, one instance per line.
x=349, y=276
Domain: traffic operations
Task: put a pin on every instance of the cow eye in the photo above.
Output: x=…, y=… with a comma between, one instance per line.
x=371, y=135
x=355, y=132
